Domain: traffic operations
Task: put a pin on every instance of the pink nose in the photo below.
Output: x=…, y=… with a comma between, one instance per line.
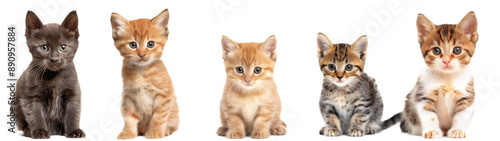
x=446, y=62
x=248, y=81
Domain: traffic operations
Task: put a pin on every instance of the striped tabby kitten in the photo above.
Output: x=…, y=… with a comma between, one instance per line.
x=350, y=102
x=149, y=105
x=441, y=103
x=250, y=104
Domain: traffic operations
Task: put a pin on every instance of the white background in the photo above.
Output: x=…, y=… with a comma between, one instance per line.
x=194, y=60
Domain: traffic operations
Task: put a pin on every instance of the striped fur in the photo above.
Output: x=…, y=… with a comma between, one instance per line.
x=149, y=106
x=350, y=102
x=441, y=103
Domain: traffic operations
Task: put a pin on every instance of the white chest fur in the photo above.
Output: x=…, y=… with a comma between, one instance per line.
x=249, y=108
x=446, y=85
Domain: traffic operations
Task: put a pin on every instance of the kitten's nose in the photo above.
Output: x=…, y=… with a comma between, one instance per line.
x=340, y=78
x=54, y=60
x=248, y=81
x=142, y=56
x=446, y=60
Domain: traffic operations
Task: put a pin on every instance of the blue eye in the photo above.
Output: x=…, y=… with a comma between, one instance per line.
x=132, y=45
x=348, y=67
x=151, y=44
x=457, y=50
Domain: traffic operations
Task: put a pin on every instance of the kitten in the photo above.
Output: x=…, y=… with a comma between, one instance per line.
x=48, y=95
x=441, y=103
x=149, y=105
x=350, y=102
x=250, y=104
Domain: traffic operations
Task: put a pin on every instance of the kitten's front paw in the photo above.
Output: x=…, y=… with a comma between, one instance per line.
x=27, y=132
x=356, y=132
x=260, y=134
x=370, y=131
x=280, y=130
x=40, y=134
x=330, y=132
x=235, y=134
x=431, y=134
x=78, y=133
x=222, y=131
x=456, y=133
x=155, y=134
x=126, y=135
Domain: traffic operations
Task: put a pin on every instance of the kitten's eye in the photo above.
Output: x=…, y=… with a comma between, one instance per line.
x=457, y=50
x=348, y=67
x=331, y=67
x=151, y=44
x=63, y=47
x=239, y=70
x=436, y=51
x=44, y=48
x=257, y=70
x=132, y=45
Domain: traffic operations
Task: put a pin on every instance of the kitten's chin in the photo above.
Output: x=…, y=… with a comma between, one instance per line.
x=143, y=62
x=340, y=83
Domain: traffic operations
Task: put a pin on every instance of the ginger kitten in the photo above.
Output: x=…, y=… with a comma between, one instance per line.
x=250, y=104
x=149, y=105
x=442, y=101
x=350, y=102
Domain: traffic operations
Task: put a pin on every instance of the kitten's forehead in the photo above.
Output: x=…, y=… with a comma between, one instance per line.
x=447, y=36
x=249, y=54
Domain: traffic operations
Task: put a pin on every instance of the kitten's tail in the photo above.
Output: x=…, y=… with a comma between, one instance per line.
x=391, y=121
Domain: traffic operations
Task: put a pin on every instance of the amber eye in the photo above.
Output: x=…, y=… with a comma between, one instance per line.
x=239, y=70
x=151, y=44
x=457, y=50
x=331, y=67
x=348, y=67
x=132, y=45
x=257, y=70
x=44, y=48
x=436, y=51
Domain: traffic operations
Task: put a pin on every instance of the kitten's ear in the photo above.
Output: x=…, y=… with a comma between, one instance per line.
x=162, y=21
x=269, y=47
x=228, y=46
x=71, y=22
x=323, y=45
x=118, y=23
x=468, y=25
x=360, y=46
x=424, y=26
x=32, y=22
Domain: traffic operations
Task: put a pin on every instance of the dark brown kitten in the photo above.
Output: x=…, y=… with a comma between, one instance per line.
x=48, y=94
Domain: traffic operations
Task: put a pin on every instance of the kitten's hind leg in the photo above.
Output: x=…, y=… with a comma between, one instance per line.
x=278, y=127
x=222, y=131
x=173, y=120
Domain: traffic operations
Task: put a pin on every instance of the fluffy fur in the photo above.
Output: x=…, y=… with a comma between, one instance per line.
x=250, y=104
x=442, y=101
x=350, y=102
x=48, y=94
x=149, y=105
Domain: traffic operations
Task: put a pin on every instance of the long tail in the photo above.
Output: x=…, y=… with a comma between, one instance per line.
x=391, y=121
